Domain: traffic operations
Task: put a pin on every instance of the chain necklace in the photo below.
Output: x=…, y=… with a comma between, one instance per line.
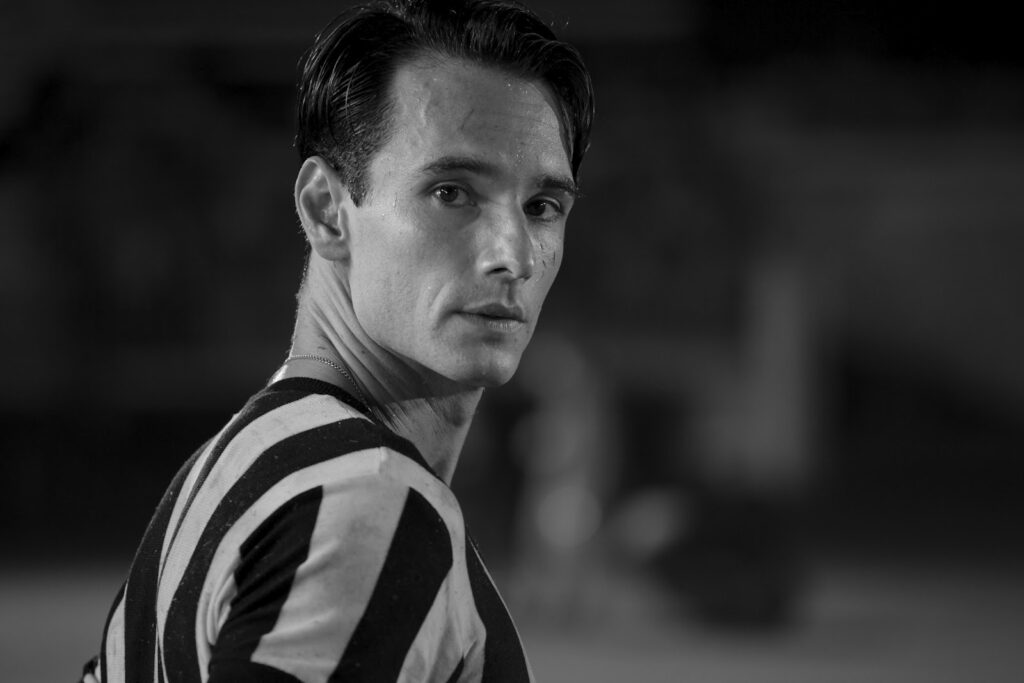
x=337, y=366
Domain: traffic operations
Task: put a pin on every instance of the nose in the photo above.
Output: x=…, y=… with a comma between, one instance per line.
x=507, y=249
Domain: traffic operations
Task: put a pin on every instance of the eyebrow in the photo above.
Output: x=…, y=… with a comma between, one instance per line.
x=446, y=164
x=561, y=183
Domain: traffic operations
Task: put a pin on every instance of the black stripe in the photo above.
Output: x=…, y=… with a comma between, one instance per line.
x=309, y=385
x=289, y=455
x=418, y=560
x=269, y=559
x=389, y=439
x=89, y=668
x=250, y=672
x=504, y=661
x=141, y=588
x=458, y=671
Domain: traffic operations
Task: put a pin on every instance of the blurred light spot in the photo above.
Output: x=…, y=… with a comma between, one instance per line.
x=568, y=516
x=648, y=522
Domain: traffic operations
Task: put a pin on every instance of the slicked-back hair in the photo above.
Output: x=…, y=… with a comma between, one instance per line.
x=344, y=100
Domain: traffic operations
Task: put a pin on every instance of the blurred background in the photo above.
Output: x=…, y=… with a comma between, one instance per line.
x=771, y=427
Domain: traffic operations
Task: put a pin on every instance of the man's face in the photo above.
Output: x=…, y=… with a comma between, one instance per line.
x=460, y=235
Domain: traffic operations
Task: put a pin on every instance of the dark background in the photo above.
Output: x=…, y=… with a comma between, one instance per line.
x=793, y=282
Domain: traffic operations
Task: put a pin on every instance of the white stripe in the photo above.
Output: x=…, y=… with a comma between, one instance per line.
x=183, y=494
x=473, y=670
x=357, y=520
x=114, y=647
x=212, y=610
x=437, y=647
x=264, y=432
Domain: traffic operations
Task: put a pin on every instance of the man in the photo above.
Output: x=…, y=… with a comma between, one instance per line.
x=315, y=537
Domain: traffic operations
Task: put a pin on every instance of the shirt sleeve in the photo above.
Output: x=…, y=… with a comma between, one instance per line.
x=343, y=582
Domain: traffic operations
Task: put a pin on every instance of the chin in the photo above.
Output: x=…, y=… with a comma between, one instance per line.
x=486, y=373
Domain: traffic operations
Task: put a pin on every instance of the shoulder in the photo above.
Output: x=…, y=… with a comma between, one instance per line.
x=380, y=495
x=369, y=517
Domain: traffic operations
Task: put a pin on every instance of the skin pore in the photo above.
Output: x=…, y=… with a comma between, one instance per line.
x=429, y=291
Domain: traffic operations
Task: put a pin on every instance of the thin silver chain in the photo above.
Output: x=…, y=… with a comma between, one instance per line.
x=337, y=366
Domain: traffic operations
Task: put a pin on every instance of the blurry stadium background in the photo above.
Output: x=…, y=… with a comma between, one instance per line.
x=771, y=428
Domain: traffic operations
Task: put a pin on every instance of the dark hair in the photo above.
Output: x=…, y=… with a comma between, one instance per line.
x=344, y=103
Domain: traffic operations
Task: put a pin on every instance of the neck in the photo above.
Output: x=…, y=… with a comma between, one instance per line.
x=432, y=412
x=438, y=427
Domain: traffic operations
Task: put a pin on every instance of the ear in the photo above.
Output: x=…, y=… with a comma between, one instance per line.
x=320, y=200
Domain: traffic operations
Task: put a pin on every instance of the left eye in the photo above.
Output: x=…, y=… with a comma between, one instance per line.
x=451, y=195
x=543, y=208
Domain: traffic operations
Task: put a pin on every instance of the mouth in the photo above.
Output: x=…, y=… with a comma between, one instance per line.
x=497, y=316
x=498, y=311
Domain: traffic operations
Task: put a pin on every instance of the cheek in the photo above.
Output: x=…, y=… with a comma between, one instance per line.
x=549, y=258
x=399, y=295
x=378, y=292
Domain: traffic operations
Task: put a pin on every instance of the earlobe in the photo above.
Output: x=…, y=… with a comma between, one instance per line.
x=320, y=203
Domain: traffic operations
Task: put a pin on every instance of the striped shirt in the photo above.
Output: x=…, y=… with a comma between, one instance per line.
x=306, y=542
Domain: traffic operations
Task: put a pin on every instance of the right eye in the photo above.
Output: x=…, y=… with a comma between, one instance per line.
x=451, y=195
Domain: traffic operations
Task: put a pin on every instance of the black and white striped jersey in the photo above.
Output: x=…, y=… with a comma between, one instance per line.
x=306, y=542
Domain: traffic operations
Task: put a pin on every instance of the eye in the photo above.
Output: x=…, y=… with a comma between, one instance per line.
x=544, y=209
x=451, y=195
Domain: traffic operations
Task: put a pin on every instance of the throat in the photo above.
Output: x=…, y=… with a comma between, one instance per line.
x=438, y=427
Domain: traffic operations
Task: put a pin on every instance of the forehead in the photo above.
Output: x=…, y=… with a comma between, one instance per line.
x=452, y=107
